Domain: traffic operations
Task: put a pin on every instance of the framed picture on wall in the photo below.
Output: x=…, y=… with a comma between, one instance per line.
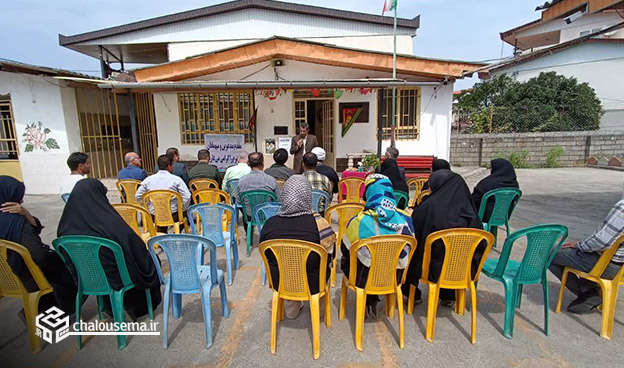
x=353, y=112
x=269, y=145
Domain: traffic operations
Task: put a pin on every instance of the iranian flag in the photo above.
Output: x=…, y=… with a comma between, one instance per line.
x=389, y=5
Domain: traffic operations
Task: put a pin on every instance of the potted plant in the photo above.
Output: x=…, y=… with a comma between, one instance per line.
x=371, y=162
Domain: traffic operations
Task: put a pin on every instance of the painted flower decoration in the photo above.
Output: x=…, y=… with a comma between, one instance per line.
x=36, y=137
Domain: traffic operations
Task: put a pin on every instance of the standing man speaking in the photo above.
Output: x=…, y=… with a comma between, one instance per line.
x=302, y=144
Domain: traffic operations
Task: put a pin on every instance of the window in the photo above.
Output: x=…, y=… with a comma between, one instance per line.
x=214, y=113
x=8, y=138
x=408, y=113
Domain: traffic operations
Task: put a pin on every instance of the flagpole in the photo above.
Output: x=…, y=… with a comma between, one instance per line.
x=394, y=75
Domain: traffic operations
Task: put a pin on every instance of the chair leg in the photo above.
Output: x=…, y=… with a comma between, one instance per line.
x=473, y=313
x=494, y=231
x=263, y=274
x=564, y=279
x=118, y=316
x=234, y=247
x=343, y=299
x=432, y=310
x=225, y=309
x=249, y=237
x=332, y=275
x=228, y=263
x=460, y=302
x=31, y=309
x=546, y=305
x=328, y=321
x=315, y=311
x=519, y=297
x=274, y=313
x=399, y=297
x=410, y=300
x=207, y=308
x=511, y=293
x=166, y=309
x=280, y=310
x=390, y=305
x=609, y=299
x=360, y=305
x=177, y=305
x=100, y=304
x=150, y=308
x=78, y=316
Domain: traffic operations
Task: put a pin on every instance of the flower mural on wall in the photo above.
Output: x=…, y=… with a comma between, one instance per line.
x=36, y=137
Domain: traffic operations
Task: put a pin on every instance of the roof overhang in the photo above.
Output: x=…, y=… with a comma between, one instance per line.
x=12, y=66
x=304, y=51
x=562, y=8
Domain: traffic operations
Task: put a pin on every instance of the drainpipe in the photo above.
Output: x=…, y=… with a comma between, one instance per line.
x=133, y=123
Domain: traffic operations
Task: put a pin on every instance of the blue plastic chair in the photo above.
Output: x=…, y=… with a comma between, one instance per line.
x=187, y=276
x=65, y=197
x=542, y=244
x=232, y=189
x=505, y=200
x=211, y=217
x=262, y=213
x=317, y=197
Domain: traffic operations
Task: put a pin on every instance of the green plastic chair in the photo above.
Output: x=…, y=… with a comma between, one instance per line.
x=402, y=199
x=249, y=200
x=541, y=247
x=505, y=200
x=83, y=251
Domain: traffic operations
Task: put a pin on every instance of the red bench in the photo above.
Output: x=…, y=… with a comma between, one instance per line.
x=416, y=166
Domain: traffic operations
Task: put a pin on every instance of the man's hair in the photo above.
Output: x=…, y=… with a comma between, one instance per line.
x=304, y=125
x=243, y=155
x=392, y=152
x=255, y=159
x=172, y=152
x=164, y=161
x=280, y=156
x=75, y=159
x=203, y=154
x=310, y=160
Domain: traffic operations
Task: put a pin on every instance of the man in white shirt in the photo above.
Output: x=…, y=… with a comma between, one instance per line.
x=237, y=171
x=80, y=165
x=164, y=179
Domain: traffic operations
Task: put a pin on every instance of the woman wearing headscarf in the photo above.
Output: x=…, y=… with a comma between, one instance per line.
x=390, y=169
x=438, y=164
x=88, y=212
x=296, y=220
x=379, y=217
x=449, y=206
x=19, y=226
x=502, y=175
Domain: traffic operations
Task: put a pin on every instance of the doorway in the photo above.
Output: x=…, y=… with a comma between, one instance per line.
x=318, y=113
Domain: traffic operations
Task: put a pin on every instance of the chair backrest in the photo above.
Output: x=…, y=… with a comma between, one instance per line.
x=211, y=196
x=401, y=198
x=385, y=252
x=232, y=189
x=127, y=190
x=135, y=215
x=65, y=197
x=280, y=183
x=317, y=197
x=416, y=184
x=84, y=253
x=250, y=199
x=161, y=201
x=291, y=258
x=352, y=187
x=345, y=212
x=505, y=200
x=210, y=217
x=606, y=257
x=422, y=195
x=460, y=246
x=184, y=253
x=10, y=284
x=264, y=211
x=543, y=241
x=203, y=183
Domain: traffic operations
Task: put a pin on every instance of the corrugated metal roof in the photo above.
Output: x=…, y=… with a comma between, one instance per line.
x=239, y=5
x=13, y=66
x=549, y=4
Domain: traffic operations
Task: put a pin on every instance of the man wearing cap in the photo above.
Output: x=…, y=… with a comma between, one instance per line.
x=328, y=171
x=279, y=170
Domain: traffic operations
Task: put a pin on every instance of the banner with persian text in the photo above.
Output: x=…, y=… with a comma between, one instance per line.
x=224, y=149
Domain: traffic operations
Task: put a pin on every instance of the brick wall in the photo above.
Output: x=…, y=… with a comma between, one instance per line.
x=578, y=147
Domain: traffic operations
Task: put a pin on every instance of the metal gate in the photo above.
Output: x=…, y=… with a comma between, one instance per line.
x=9, y=160
x=144, y=105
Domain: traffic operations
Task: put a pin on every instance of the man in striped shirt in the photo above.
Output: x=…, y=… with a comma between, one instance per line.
x=583, y=257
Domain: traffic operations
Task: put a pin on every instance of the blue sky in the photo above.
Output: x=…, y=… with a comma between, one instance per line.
x=453, y=29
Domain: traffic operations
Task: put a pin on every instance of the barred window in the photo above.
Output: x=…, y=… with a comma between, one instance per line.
x=8, y=138
x=214, y=113
x=408, y=113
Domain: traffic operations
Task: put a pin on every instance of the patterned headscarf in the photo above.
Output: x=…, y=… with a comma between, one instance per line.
x=296, y=197
x=380, y=198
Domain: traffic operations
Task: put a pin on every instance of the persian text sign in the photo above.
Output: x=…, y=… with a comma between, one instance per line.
x=224, y=149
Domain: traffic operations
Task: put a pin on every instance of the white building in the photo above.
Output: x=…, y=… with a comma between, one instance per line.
x=580, y=39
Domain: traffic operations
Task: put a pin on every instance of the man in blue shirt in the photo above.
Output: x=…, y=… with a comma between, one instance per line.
x=133, y=168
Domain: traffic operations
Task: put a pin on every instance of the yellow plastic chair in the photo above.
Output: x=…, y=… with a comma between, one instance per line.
x=138, y=218
x=609, y=288
x=345, y=212
x=160, y=200
x=422, y=195
x=11, y=286
x=280, y=183
x=382, y=279
x=353, y=187
x=128, y=188
x=203, y=183
x=415, y=184
x=291, y=258
x=211, y=196
x=460, y=246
